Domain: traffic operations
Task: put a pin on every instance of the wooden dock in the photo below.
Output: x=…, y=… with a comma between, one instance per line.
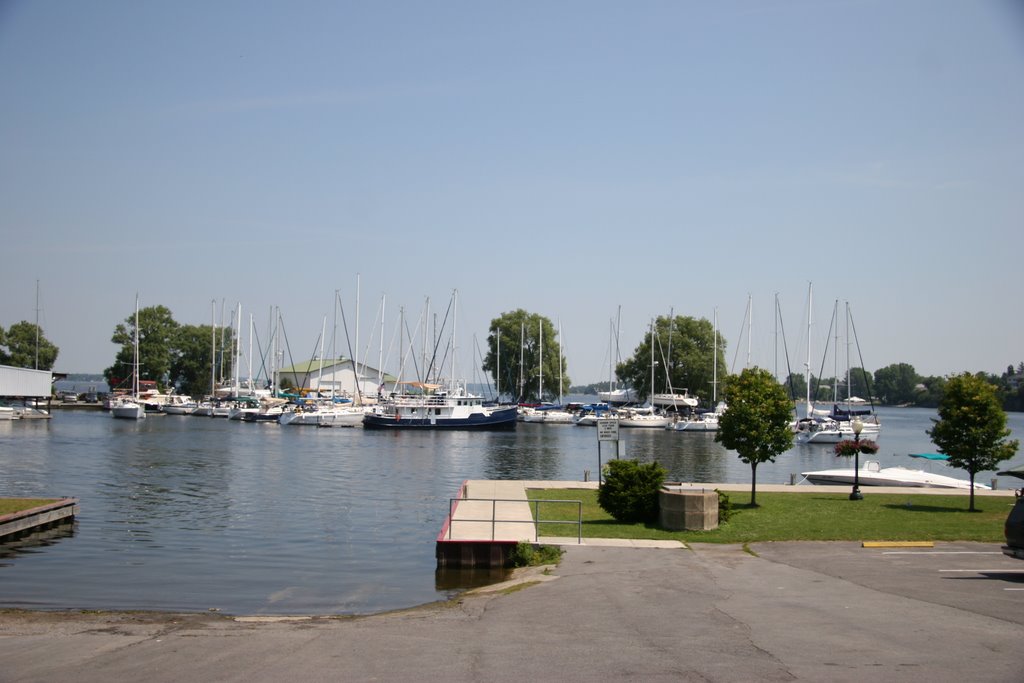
x=26, y=521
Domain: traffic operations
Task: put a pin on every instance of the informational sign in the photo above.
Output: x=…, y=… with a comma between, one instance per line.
x=607, y=430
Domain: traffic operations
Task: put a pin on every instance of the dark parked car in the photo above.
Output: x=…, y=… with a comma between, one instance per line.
x=1014, y=527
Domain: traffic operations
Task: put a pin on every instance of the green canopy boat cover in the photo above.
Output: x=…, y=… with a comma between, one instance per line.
x=930, y=456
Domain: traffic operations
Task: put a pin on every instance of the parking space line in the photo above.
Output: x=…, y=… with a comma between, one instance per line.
x=983, y=571
x=942, y=552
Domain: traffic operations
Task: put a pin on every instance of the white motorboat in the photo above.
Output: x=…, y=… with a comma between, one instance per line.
x=873, y=474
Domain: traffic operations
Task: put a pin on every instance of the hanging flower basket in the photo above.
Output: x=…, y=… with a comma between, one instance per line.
x=849, y=447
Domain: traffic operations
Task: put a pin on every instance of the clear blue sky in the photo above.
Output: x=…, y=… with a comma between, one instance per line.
x=563, y=157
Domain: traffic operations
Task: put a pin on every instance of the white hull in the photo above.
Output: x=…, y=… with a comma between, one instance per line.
x=703, y=424
x=872, y=474
x=342, y=417
x=617, y=397
x=128, y=410
x=674, y=400
x=645, y=421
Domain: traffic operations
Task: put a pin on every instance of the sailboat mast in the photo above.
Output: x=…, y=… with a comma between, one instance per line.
x=714, y=364
x=213, y=348
x=650, y=397
x=36, y=366
x=540, y=381
x=135, y=362
x=559, y=362
x=807, y=365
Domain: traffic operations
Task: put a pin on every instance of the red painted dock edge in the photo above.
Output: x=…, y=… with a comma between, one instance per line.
x=466, y=554
x=23, y=521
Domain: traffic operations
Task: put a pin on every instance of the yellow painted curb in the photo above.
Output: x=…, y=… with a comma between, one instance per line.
x=897, y=544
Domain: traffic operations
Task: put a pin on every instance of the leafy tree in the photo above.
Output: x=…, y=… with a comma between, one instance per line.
x=519, y=374
x=971, y=428
x=896, y=384
x=191, y=366
x=630, y=491
x=157, y=336
x=756, y=424
x=20, y=341
x=683, y=348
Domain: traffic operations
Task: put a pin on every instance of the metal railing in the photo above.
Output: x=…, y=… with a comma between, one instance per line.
x=535, y=507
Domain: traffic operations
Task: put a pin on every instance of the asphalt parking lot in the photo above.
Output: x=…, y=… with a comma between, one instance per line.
x=773, y=612
x=974, y=577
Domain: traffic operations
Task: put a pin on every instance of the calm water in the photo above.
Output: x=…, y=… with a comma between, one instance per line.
x=183, y=513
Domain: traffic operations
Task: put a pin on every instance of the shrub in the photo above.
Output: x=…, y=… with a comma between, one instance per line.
x=724, y=506
x=630, y=491
x=525, y=554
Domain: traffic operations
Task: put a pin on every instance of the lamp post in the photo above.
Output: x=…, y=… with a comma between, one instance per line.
x=858, y=427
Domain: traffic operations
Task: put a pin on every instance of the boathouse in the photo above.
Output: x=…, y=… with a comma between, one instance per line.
x=337, y=375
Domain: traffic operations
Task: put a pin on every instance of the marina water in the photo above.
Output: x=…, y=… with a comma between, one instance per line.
x=196, y=514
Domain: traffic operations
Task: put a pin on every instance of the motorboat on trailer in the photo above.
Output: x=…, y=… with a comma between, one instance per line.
x=873, y=474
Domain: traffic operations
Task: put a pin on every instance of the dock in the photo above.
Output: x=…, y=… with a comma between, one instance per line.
x=488, y=518
x=41, y=517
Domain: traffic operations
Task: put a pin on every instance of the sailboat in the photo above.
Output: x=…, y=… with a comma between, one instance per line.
x=706, y=421
x=821, y=427
x=645, y=417
x=130, y=407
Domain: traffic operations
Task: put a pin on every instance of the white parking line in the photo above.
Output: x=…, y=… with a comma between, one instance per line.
x=983, y=571
x=942, y=552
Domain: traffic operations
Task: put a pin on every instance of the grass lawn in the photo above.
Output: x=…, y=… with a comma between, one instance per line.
x=802, y=517
x=9, y=505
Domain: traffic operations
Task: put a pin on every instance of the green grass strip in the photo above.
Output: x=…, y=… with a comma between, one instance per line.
x=9, y=505
x=803, y=517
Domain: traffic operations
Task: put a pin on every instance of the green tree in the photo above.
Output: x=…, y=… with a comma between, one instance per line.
x=683, y=353
x=756, y=424
x=520, y=338
x=157, y=337
x=896, y=384
x=971, y=428
x=191, y=366
x=21, y=342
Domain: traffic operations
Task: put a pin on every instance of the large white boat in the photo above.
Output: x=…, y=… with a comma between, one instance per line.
x=438, y=408
x=872, y=473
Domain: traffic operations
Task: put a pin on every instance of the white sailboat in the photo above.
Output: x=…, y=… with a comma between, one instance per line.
x=820, y=427
x=130, y=407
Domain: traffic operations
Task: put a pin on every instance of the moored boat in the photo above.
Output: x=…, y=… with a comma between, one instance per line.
x=434, y=408
x=872, y=473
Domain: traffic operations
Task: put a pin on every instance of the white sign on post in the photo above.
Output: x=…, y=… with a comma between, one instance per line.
x=607, y=430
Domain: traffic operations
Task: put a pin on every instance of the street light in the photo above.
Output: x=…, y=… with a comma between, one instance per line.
x=858, y=427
